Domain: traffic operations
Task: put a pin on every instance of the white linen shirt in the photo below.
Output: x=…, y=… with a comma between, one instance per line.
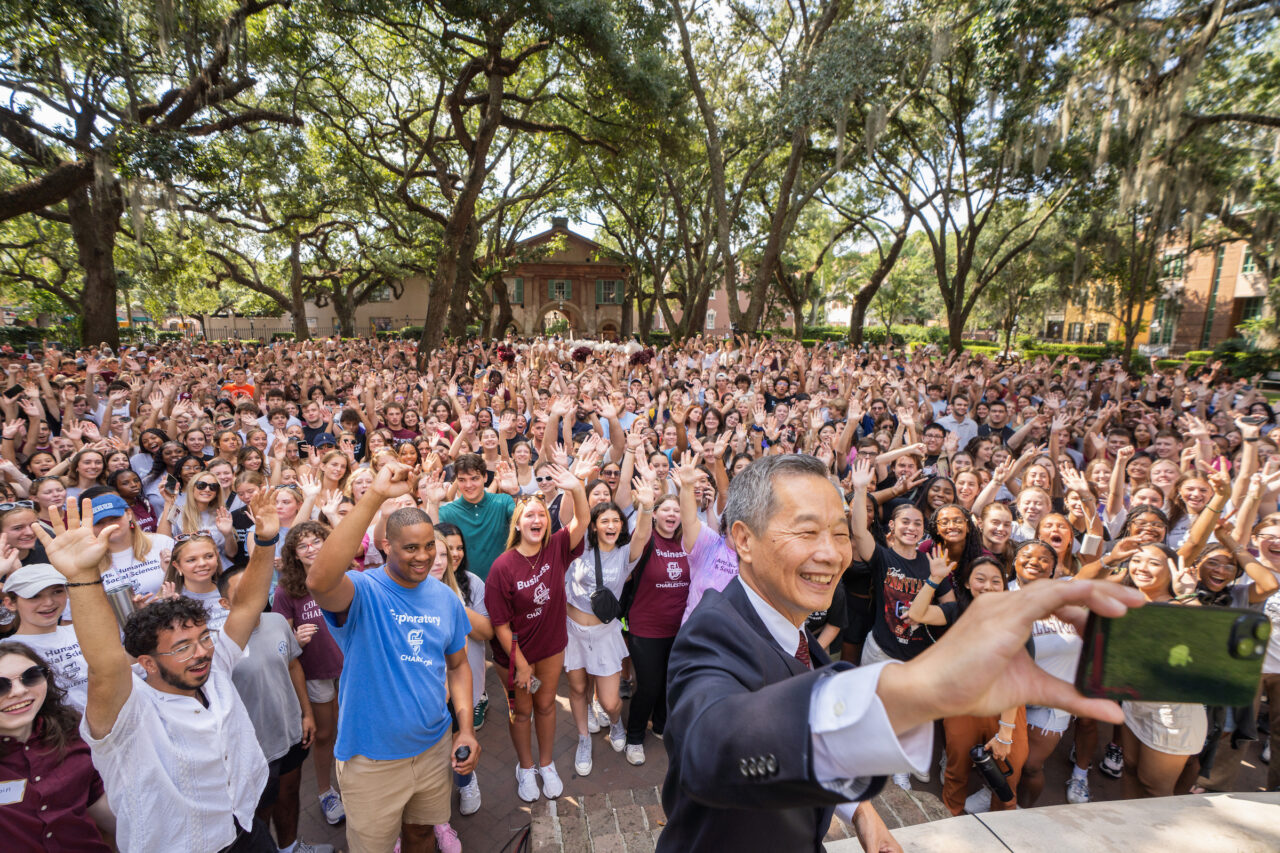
x=177, y=772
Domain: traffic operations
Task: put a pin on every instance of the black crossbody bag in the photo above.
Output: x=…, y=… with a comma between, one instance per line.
x=604, y=604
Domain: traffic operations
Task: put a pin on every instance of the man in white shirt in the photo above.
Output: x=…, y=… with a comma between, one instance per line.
x=177, y=751
x=737, y=778
x=958, y=422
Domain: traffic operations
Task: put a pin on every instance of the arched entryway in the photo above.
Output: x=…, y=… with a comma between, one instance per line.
x=559, y=318
x=609, y=331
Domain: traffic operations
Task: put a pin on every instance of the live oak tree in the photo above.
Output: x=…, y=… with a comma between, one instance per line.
x=107, y=100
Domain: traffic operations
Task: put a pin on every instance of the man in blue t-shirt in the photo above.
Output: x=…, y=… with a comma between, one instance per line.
x=402, y=634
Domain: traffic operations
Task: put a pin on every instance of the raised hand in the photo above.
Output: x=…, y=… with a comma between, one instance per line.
x=392, y=480
x=222, y=521
x=940, y=565
x=642, y=493
x=74, y=550
x=310, y=483
x=862, y=474
x=686, y=473
x=266, y=520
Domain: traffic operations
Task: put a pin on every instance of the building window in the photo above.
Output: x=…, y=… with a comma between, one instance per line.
x=1249, y=264
x=381, y=324
x=1211, y=304
x=1075, y=333
x=1053, y=330
x=711, y=318
x=381, y=293
x=1172, y=267
x=560, y=290
x=337, y=326
x=516, y=289
x=1251, y=308
x=657, y=320
x=1100, y=332
x=1163, y=322
x=608, y=291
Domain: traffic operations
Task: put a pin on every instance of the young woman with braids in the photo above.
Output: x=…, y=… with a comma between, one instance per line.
x=1005, y=735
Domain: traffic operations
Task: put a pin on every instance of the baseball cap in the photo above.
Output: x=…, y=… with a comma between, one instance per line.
x=108, y=505
x=30, y=581
x=324, y=438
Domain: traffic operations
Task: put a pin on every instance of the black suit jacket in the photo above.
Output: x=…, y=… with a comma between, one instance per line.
x=740, y=763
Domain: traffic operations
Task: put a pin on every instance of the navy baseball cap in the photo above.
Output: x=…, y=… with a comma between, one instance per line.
x=109, y=505
x=323, y=439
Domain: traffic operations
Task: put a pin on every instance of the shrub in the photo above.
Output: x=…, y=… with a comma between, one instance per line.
x=411, y=333
x=1200, y=355
x=19, y=336
x=168, y=335
x=282, y=336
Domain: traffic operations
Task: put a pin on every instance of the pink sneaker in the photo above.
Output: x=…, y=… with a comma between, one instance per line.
x=447, y=839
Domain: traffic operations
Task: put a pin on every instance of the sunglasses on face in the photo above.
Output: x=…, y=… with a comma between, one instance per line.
x=204, y=486
x=8, y=505
x=544, y=479
x=30, y=677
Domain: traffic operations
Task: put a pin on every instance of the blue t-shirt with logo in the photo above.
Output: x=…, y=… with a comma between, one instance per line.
x=391, y=697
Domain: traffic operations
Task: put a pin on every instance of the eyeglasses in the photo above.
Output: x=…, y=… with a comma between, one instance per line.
x=199, y=534
x=530, y=499
x=30, y=677
x=8, y=505
x=186, y=651
x=1264, y=538
x=313, y=545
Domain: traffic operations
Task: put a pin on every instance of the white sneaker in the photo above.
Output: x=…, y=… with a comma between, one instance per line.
x=331, y=805
x=635, y=753
x=582, y=758
x=617, y=736
x=1266, y=752
x=1077, y=790
x=902, y=780
x=469, y=797
x=552, y=787
x=594, y=713
x=979, y=802
x=527, y=784
x=303, y=847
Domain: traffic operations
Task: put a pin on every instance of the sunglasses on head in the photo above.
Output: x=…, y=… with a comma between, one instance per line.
x=30, y=677
x=8, y=505
x=199, y=534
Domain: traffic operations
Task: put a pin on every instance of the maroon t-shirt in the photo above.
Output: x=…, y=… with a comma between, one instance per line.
x=527, y=593
x=321, y=658
x=661, y=592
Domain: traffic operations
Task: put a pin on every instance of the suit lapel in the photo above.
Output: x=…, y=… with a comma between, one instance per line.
x=738, y=598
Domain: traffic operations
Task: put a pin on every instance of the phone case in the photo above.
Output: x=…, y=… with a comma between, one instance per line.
x=1171, y=653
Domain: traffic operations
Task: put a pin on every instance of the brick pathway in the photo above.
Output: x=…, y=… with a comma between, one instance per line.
x=503, y=814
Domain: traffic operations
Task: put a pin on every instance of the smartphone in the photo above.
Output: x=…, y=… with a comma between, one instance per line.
x=1171, y=653
x=930, y=471
x=171, y=483
x=1090, y=545
x=1253, y=420
x=14, y=392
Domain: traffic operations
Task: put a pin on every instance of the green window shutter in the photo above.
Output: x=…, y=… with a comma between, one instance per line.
x=568, y=289
x=617, y=292
x=599, y=291
x=517, y=292
x=551, y=289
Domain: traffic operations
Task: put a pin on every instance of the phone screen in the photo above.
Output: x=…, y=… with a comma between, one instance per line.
x=13, y=393
x=171, y=484
x=1171, y=653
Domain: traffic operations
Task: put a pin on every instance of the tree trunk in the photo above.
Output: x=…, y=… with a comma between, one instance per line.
x=629, y=301
x=459, y=316
x=955, y=330
x=346, y=316
x=797, y=318
x=505, y=315
x=858, y=314
x=297, y=300
x=95, y=211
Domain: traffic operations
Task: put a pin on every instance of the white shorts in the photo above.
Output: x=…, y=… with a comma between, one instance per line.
x=1174, y=729
x=322, y=689
x=599, y=649
x=1050, y=720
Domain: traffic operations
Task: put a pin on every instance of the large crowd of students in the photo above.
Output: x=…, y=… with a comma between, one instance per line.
x=220, y=560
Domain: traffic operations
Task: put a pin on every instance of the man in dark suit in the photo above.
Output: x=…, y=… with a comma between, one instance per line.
x=764, y=739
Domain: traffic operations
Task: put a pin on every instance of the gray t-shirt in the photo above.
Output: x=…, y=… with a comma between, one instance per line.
x=580, y=579
x=262, y=679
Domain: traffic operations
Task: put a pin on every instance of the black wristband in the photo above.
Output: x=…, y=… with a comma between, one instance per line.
x=98, y=582
x=265, y=543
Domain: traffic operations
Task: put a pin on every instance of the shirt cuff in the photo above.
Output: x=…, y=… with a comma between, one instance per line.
x=851, y=733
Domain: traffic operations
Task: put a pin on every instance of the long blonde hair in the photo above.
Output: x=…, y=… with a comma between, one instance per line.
x=449, y=578
x=513, y=532
x=189, y=518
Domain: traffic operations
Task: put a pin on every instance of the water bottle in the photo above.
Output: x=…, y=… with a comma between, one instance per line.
x=992, y=774
x=121, y=600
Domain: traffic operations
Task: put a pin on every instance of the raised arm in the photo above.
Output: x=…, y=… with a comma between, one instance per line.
x=644, y=498
x=861, y=477
x=687, y=476
x=81, y=556
x=327, y=579
x=251, y=595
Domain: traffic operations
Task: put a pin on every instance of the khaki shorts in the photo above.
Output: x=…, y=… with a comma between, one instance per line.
x=380, y=795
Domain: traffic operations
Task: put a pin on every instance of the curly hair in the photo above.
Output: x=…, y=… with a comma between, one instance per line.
x=60, y=719
x=293, y=575
x=142, y=630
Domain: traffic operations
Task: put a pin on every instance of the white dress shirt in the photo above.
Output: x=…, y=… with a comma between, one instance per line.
x=852, y=737
x=176, y=772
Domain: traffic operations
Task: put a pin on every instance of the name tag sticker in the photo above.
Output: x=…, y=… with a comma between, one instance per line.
x=12, y=792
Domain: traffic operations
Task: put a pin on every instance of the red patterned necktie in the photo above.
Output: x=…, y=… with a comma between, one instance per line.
x=802, y=651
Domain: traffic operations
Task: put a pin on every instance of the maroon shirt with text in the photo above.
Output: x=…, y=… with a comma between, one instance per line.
x=662, y=590
x=527, y=593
